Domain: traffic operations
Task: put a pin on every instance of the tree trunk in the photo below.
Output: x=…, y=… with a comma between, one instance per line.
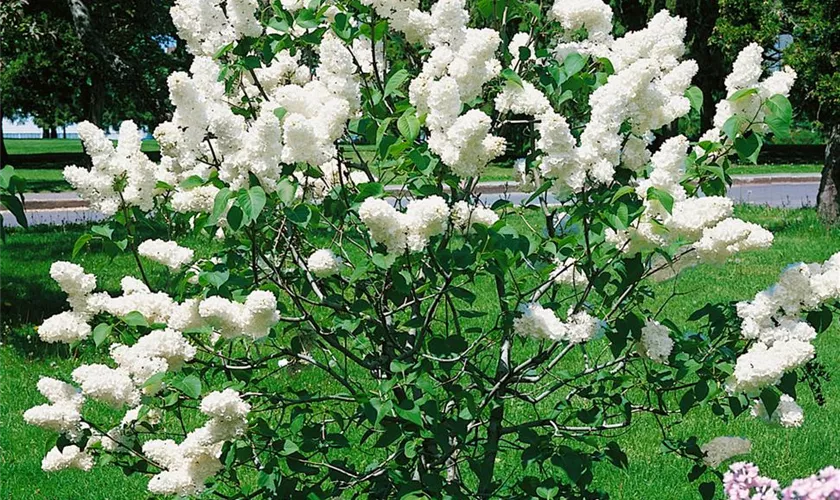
x=97, y=100
x=4, y=155
x=828, y=198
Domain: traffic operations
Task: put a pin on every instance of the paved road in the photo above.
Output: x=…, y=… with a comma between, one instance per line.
x=791, y=195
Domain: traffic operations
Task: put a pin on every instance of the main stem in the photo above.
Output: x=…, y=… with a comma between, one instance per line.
x=132, y=243
x=497, y=411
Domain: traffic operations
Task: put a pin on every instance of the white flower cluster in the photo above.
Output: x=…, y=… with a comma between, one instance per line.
x=157, y=352
x=63, y=413
x=122, y=172
x=112, y=386
x=646, y=92
x=465, y=216
x=656, y=343
x=540, y=323
x=168, y=253
x=398, y=231
x=324, y=263
x=746, y=74
x=729, y=237
x=462, y=60
x=189, y=464
x=772, y=318
x=568, y=273
x=705, y=223
x=593, y=15
x=298, y=116
x=786, y=414
x=70, y=326
x=253, y=319
x=764, y=365
x=205, y=27
x=721, y=449
x=69, y=457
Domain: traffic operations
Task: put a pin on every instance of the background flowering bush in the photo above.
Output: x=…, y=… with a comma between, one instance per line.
x=461, y=349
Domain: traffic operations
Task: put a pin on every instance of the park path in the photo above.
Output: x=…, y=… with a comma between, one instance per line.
x=777, y=190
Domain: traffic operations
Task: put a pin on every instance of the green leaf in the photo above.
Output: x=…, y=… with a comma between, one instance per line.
x=104, y=231
x=662, y=197
x=463, y=294
x=286, y=190
x=392, y=86
x=191, y=385
x=215, y=278
x=511, y=76
x=134, y=318
x=369, y=190
x=409, y=125
x=235, y=217
x=381, y=408
x=733, y=126
x=617, y=456
x=192, y=181
x=542, y=189
x=280, y=112
x=411, y=414
x=779, y=116
x=742, y=93
x=695, y=97
x=81, y=242
x=300, y=215
x=342, y=27
x=306, y=19
x=101, y=332
x=820, y=319
x=6, y=174
x=707, y=490
x=154, y=380
x=770, y=397
x=14, y=205
x=289, y=447
x=251, y=202
x=219, y=206
x=623, y=191
x=748, y=147
x=573, y=63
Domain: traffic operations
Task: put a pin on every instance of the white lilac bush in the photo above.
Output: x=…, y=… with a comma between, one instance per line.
x=335, y=338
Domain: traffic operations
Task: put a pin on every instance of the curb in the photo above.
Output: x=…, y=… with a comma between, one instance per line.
x=71, y=201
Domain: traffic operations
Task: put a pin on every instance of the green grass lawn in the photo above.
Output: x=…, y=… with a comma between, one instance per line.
x=52, y=146
x=42, y=180
x=775, y=169
x=29, y=296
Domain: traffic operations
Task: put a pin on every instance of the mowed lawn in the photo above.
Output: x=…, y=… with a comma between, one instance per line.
x=54, y=146
x=29, y=295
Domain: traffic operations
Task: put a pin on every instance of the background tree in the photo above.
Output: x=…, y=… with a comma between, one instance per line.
x=815, y=54
x=71, y=60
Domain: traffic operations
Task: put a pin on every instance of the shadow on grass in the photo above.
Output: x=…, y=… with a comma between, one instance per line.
x=29, y=294
x=47, y=186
